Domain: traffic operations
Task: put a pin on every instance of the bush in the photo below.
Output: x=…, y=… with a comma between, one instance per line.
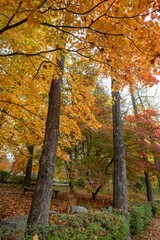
x=100, y=225
x=156, y=207
x=140, y=215
x=4, y=176
x=17, y=179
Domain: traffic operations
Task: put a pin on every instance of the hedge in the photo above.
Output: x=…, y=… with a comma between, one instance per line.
x=98, y=225
x=140, y=215
x=86, y=226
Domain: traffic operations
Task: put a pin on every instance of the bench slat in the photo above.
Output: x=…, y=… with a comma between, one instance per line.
x=55, y=190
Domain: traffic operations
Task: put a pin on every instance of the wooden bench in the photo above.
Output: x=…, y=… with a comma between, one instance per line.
x=28, y=189
x=57, y=187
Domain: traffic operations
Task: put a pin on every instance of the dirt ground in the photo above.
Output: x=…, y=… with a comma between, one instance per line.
x=13, y=202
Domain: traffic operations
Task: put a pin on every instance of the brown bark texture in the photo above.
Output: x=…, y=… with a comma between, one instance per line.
x=120, y=196
x=39, y=211
x=28, y=173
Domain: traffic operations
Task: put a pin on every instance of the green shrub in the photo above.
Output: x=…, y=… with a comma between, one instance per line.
x=99, y=225
x=4, y=176
x=17, y=179
x=140, y=215
x=156, y=207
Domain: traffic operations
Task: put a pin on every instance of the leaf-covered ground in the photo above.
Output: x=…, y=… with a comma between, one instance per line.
x=13, y=202
x=152, y=231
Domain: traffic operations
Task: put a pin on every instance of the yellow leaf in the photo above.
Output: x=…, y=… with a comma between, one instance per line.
x=35, y=237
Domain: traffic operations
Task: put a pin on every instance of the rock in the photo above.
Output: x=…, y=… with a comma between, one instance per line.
x=77, y=209
x=110, y=209
x=53, y=213
x=10, y=224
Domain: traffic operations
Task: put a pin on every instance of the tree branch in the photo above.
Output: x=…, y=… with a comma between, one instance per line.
x=23, y=108
x=76, y=13
x=22, y=121
x=13, y=25
x=29, y=54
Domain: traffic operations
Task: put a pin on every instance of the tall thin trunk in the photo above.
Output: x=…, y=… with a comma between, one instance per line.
x=69, y=168
x=146, y=174
x=28, y=173
x=156, y=160
x=39, y=211
x=70, y=174
x=120, y=196
x=134, y=104
x=157, y=164
x=148, y=187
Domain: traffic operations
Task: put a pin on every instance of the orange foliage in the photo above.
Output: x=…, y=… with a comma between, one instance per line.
x=4, y=165
x=115, y=38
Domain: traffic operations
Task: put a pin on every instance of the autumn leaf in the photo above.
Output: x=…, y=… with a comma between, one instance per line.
x=35, y=237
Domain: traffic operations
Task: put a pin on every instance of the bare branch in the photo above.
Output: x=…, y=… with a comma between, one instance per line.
x=7, y=27
x=13, y=25
x=133, y=16
x=76, y=13
x=14, y=144
x=102, y=14
x=14, y=14
x=39, y=68
x=22, y=121
x=19, y=105
x=29, y=54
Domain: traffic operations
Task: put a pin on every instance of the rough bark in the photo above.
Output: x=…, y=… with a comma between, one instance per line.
x=149, y=187
x=120, y=196
x=39, y=211
x=28, y=173
x=134, y=104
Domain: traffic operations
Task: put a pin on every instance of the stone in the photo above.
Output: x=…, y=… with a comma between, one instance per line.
x=110, y=209
x=53, y=213
x=10, y=224
x=77, y=209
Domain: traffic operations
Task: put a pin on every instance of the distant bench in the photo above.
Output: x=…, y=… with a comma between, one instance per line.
x=57, y=187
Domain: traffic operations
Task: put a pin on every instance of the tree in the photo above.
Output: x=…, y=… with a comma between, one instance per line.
x=39, y=212
x=120, y=198
x=28, y=173
x=93, y=158
x=104, y=32
x=146, y=173
x=142, y=128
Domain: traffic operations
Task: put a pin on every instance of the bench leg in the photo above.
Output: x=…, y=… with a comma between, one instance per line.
x=55, y=193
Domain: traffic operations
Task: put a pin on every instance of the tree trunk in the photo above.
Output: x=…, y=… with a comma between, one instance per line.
x=134, y=104
x=39, y=211
x=147, y=176
x=69, y=169
x=94, y=194
x=149, y=187
x=156, y=161
x=28, y=173
x=157, y=164
x=120, y=196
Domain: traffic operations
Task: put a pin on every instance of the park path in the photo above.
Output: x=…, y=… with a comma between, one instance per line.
x=152, y=231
